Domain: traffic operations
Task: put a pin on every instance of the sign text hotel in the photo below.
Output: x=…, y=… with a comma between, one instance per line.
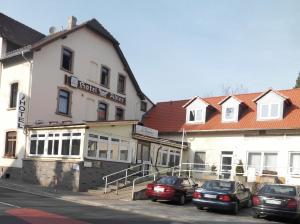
x=72, y=81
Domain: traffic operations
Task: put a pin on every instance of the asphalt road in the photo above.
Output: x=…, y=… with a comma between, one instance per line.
x=23, y=208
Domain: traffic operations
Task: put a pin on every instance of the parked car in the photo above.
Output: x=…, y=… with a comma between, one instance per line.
x=277, y=200
x=171, y=188
x=222, y=195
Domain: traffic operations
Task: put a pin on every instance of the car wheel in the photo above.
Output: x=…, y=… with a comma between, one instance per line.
x=182, y=199
x=255, y=215
x=236, y=208
x=200, y=207
x=154, y=200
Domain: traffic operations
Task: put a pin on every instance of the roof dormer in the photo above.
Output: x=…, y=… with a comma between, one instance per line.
x=230, y=109
x=196, y=110
x=270, y=105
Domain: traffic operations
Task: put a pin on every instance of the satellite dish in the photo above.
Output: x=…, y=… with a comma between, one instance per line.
x=52, y=30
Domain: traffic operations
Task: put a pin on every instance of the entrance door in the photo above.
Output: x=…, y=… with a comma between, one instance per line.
x=143, y=153
x=226, y=165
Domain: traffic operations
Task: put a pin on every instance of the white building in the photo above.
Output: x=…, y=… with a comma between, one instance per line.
x=262, y=130
x=53, y=88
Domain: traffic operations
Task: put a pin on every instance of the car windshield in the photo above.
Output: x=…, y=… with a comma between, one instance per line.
x=223, y=186
x=278, y=189
x=167, y=180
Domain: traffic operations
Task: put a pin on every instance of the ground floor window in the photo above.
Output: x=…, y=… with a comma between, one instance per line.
x=263, y=162
x=168, y=157
x=55, y=144
x=294, y=164
x=199, y=160
x=110, y=148
x=10, y=143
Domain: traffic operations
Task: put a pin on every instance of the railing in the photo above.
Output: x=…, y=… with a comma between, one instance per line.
x=142, y=169
x=155, y=175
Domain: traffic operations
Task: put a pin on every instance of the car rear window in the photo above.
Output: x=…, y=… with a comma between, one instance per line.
x=167, y=180
x=278, y=189
x=223, y=186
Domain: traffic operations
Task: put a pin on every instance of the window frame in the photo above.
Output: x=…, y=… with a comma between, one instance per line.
x=144, y=106
x=106, y=112
x=290, y=169
x=262, y=164
x=269, y=111
x=63, y=48
x=107, y=86
x=6, y=154
x=68, y=114
x=124, y=85
x=196, y=111
x=123, y=115
x=11, y=96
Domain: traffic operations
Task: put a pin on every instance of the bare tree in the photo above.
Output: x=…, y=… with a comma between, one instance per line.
x=238, y=89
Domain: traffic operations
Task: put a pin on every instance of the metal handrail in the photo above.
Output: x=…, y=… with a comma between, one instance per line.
x=126, y=175
x=154, y=177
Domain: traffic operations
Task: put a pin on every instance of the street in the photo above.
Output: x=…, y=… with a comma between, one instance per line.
x=19, y=207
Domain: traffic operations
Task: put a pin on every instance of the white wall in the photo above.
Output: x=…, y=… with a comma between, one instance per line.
x=90, y=52
x=14, y=73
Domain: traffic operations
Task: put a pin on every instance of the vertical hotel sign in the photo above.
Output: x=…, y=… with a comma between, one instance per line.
x=21, y=110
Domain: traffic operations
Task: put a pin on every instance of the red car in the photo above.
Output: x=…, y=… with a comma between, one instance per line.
x=171, y=188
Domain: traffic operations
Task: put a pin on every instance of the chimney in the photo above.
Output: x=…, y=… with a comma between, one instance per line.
x=71, y=22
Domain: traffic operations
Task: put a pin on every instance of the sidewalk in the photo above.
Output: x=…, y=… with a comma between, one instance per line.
x=182, y=214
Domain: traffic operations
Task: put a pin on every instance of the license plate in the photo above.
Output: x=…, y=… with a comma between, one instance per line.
x=210, y=196
x=273, y=202
x=159, y=189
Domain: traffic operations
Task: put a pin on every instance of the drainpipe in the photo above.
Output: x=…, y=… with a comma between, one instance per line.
x=28, y=100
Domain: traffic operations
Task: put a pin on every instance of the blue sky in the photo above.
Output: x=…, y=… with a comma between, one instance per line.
x=180, y=49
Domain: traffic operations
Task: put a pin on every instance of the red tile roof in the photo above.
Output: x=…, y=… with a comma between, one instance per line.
x=170, y=116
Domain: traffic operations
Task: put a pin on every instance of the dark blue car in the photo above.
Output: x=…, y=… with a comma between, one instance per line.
x=222, y=195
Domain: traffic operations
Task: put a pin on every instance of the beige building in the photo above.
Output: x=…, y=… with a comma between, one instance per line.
x=61, y=82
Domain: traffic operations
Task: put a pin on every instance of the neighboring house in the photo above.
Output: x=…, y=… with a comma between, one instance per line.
x=260, y=129
x=54, y=89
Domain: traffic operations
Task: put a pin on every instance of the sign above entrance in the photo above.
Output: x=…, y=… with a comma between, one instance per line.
x=146, y=131
x=74, y=82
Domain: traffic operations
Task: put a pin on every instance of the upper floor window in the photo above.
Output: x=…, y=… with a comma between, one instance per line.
x=67, y=59
x=119, y=113
x=143, y=106
x=10, y=143
x=229, y=113
x=121, y=84
x=269, y=111
x=102, y=111
x=64, y=102
x=13, y=95
x=195, y=115
x=104, y=80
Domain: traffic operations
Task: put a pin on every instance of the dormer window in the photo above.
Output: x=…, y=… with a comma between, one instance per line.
x=196, y=110
x=269, y=111
x=196, y=116
x=229, y=113
x=231, y=106
x=270, y=105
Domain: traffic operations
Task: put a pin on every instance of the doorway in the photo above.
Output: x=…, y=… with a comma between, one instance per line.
x=226, y=165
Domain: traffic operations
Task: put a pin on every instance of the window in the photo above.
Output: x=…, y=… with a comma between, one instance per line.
x=67, y=59
x=262, y=161
x=229, y=112
x=143, y=106
x=10, y=143
x=295, y=163
x=163, y=157
x=121, y=84
x=124, y=147
x=199, y=159
x=13, y=95
x=196, y=116
x=92, y=146
x=102, y=111
x=119, y=113
x=64, y=102
x=55, y=144
x=174, y=158
x=103, y=150
x=269, y=111
x=104, y=80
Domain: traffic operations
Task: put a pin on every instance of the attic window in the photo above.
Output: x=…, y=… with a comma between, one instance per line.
x=229, y=113
x=195, y=116
x=67, y=59
x=269, y=111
